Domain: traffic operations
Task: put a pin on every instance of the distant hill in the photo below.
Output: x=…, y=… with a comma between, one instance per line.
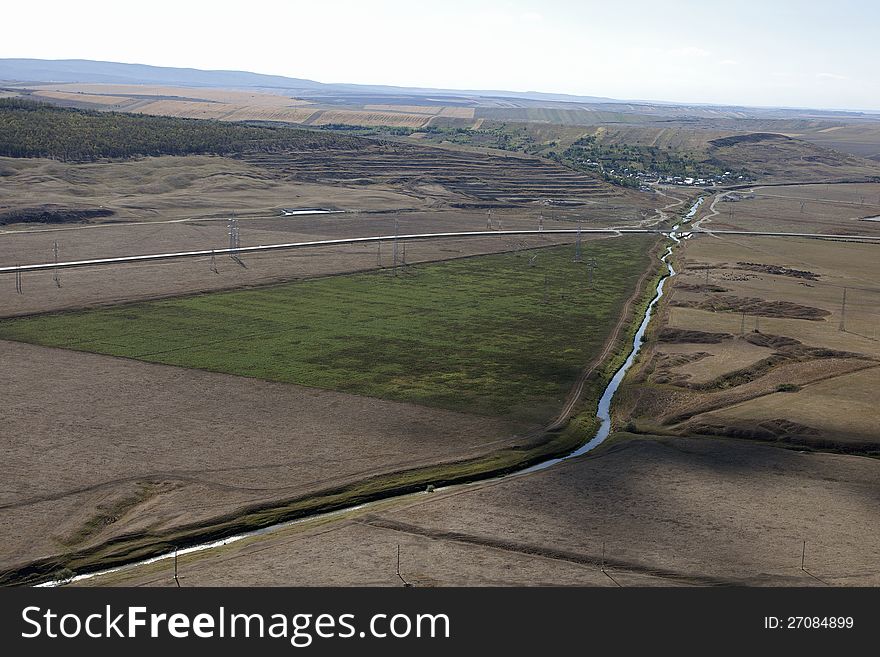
x=82, y=70
x=87, y=71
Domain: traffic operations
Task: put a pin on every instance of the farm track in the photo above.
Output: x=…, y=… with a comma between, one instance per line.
x=596, y=561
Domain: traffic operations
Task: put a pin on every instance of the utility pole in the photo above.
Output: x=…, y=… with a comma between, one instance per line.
x=405, y=583
x=842, y=326
x=394, y=246
x=55, y=275
x=176, y=580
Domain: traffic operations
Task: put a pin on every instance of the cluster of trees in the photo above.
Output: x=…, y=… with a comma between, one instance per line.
x=30, y=129
x=627, y=160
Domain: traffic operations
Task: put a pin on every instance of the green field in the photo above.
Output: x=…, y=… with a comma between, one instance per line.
x=493, y=334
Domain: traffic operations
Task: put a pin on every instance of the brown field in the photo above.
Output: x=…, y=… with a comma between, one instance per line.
x=163, y=188
x=86, y=287
x=410, y=109
x=181, y=203
x=666, y=511
x=689, y=384
x=133, y=91
x=229, y=105
x=833, y=209
x=862, y=139
x=433, y=110
x=224, y=112
x=120, y=446
x=79, y=97
x=368, y=117
x=851, y=397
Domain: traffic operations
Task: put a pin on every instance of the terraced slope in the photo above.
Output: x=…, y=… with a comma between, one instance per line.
x=481, y=177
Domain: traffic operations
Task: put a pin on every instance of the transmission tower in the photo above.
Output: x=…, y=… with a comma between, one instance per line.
x=235, y=240
x=18, y=281
x=234, y=235
x=591, y=265
x=577, y=246
x=842, y=326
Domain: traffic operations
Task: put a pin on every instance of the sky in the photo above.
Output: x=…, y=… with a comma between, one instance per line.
x=738, y=52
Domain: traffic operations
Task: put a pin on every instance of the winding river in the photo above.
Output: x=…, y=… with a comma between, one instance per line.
x=603, y=413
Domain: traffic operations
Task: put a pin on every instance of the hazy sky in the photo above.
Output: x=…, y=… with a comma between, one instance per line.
x=750, y=52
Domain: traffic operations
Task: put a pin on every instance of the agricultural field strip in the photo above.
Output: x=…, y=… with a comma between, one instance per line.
x=418, y=236
x=317, y=243
x=261, y=321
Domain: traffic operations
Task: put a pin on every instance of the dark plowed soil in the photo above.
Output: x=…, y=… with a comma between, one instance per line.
x=782, y=431
x=700, y=287
x=755, y=306
x=51, y=214
x=778, y=270
x=677, y=335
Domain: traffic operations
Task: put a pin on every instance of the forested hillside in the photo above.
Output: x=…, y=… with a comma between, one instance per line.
x=30, y=129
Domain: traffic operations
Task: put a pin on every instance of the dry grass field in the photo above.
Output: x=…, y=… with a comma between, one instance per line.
x=133, y=420
x=118, y=447
x=230, y=105
x=167, y=188
x=87, y=287
x=834, y=209
x=665, y=511
x=755, y=342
